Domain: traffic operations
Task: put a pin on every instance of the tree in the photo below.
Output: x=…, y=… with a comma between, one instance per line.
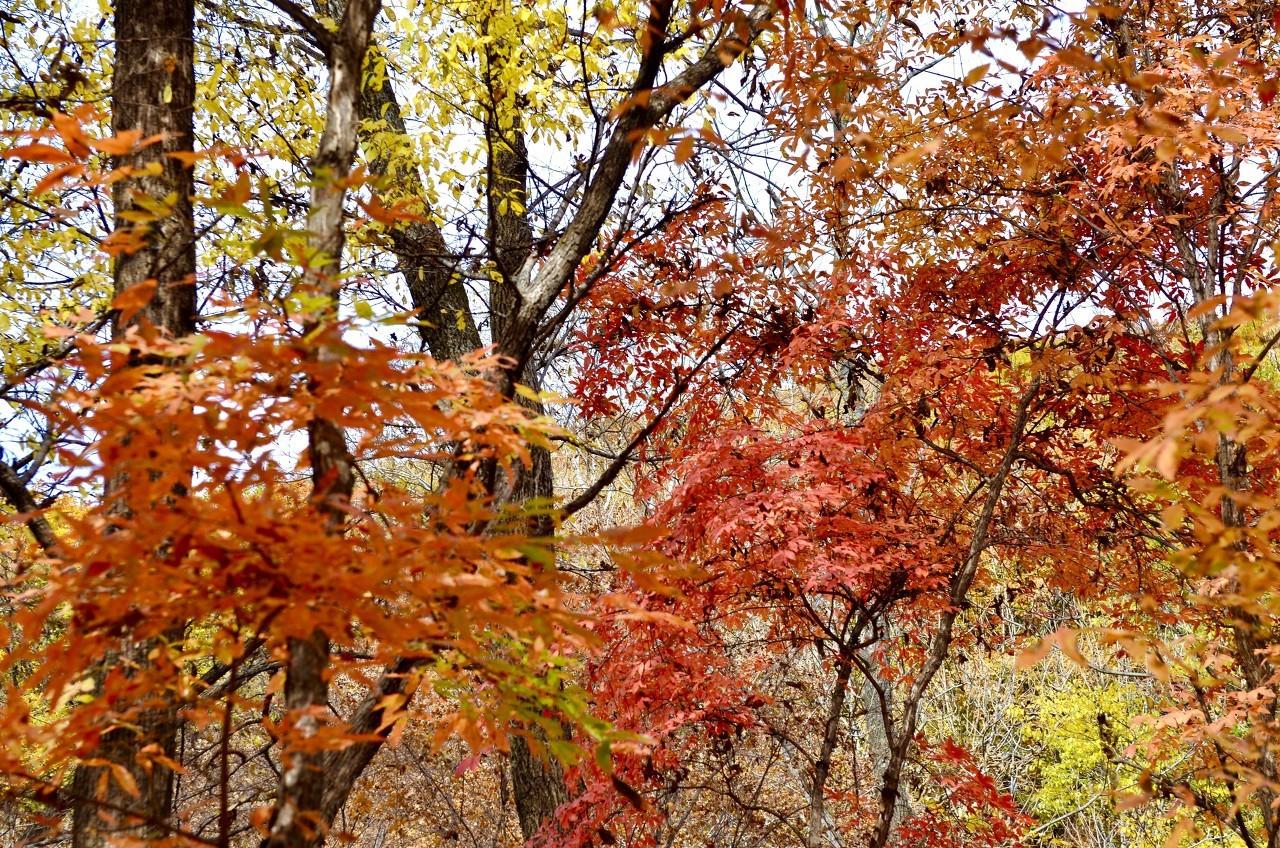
x=915, y=338
x=305, y=804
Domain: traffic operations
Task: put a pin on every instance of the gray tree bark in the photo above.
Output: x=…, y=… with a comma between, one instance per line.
x=302, y=812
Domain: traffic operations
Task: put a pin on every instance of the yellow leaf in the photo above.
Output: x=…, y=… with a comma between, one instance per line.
x=976, y=74
x=528, y=393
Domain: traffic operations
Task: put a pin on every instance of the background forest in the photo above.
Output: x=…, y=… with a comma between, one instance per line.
x=717, y=423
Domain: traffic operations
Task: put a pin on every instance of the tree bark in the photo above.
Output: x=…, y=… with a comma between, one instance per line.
x=818, y=820
x=877, y=702
x=537, y=779
x=302, y=812
x=522, y=298
x=446, y=323
x=152, y=91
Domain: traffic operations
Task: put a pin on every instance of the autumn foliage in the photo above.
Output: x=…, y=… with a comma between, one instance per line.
x=707, y=423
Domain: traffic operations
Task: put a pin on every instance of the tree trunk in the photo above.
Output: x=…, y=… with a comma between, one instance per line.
x=537, y=779
x=302, y=812
x=152, y=91
x=940, y=644
x=818, y=819
x=520, y=297
x=537, y=783
x=879, y=713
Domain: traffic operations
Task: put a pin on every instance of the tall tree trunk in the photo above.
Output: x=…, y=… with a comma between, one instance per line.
x=445, y=321
x=877, y=702
x=1233, y=472
x=152, y=91
x=537, y=779
x=523, y=296
x=448, y=329
x=302, y=816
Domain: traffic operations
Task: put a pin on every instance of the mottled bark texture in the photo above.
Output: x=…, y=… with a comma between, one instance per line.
x=305, y=804
x=152, y=92
x=445, y=321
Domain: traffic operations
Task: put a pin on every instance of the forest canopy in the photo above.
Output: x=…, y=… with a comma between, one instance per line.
x=717, y=423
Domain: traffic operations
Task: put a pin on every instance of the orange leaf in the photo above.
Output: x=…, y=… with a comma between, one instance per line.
x=125, y=780
x=841, y=167
x=684, y=150
x=1167, y=460
x=72, y=135
x=1206, y=306
x=131, y=301
x=56, y=177
x=122, y=143
x=238, y=193
x=187, y=157
x=260, y=818
x=1034, y=654
x=910, y=157
x=123, y=242
x=384, y=214
x=40, y=153
x=976, y=75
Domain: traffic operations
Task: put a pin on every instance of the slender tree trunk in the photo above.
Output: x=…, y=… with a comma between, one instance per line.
x=445, y=321
x=818, y=819
x=302, y=812
x=1233, y=472
x=537, y=779
x=152, y=91
x=878, y=714
x=940, y=645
